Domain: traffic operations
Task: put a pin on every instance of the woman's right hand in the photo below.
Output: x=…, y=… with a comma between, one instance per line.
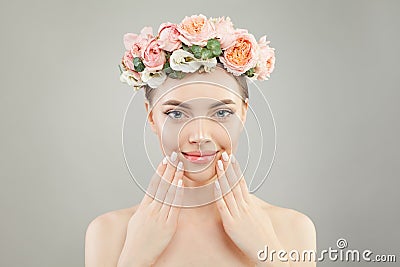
x=154, y=223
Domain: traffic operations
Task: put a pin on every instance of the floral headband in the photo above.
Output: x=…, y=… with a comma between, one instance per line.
x=196, y=44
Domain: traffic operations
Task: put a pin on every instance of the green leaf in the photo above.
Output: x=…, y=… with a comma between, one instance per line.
x=176, y=74
x=166, y=65
x=250, y=72
x=185, y=47
x=206, y=54
x=213, y=44
x=196, y=50
x=168, y=70
x=138, y=64
x=217, y=51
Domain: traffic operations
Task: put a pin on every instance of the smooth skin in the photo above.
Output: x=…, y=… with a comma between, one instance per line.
x=226, y=232
x=154, y=223
x=138, y=236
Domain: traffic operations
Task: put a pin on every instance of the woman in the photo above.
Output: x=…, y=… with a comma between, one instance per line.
x=197, y=209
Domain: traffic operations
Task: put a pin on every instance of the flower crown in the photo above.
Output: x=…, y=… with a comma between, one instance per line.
x=196, y=44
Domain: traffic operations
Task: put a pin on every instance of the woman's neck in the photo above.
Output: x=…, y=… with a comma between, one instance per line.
x=199, y=203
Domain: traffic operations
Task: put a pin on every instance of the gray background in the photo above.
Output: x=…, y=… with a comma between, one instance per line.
x=334, y=95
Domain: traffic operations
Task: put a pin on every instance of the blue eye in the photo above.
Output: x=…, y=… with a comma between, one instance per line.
x=223, y=113
x=176, y=114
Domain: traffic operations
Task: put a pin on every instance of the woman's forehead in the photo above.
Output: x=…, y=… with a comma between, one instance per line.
x=218, y=84
x=204, y=91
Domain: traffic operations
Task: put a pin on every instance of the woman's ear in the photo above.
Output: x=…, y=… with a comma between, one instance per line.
x=150, y=118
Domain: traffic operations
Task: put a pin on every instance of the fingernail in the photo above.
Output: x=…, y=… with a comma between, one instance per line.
x=173, y=156
x=217, y=185
x=180, y=183
x=225, y=156
x=233, y=160
x=220, y=165
x=180, y=166
x=164, y=161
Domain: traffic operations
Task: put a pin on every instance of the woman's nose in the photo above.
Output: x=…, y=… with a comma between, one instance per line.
x=199, y=132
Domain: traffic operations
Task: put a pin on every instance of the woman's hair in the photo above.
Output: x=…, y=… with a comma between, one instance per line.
x=244, y=89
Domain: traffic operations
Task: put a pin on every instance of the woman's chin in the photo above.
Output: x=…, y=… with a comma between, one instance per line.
x=200, y=178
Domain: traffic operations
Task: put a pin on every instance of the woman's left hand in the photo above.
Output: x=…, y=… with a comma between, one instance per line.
x=245, y=222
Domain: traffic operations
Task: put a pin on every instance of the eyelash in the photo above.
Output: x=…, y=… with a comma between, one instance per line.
x=220, y=118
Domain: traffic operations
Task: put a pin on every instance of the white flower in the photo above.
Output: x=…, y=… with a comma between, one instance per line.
x=153, y=79
x=208, y=64
x=130, y=78
x=185, y=61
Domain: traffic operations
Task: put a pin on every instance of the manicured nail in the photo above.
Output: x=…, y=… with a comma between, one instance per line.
x=225, y=156
x=173, y=156
x=180, y=166
x=217, y=185
x=220, y=165
x=164, y=161
x=180, y=183
x=233, y=160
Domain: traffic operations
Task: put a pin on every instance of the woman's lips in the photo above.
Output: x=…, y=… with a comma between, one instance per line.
x=200, y=157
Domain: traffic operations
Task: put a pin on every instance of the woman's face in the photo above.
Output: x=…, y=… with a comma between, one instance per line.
x=198, y=118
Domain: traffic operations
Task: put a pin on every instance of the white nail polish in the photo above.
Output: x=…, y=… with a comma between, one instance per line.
x=173, y=156
x=233, y=160
x=225, y=156
x=220, y=165
x=217, y=185
x=180, y=166
x=164, y=161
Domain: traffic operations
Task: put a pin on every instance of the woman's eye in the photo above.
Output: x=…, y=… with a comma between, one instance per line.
x=174, y=114
x=223, y=113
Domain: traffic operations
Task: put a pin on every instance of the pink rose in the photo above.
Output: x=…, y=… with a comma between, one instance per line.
x=169, y=37
x=225, y=31
x=242, y=54
x=127, y=61
x=153, y=56
x=266, y=60
x=196, y=30
x=135, y=43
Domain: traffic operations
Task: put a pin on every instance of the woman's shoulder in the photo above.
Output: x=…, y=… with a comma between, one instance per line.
x=114, y=217
x=105, y=236
x=280, y=212
x=294, y=227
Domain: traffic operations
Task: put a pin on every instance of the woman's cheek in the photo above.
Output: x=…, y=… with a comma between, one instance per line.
x=230, y=135
x=169, y=136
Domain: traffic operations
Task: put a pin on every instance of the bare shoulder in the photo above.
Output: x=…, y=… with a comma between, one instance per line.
x=105, y=237
x=293, y=228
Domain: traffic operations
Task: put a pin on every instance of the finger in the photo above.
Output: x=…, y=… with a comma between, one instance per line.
x=242, y=183
x=175, y=208
x=165, y=183
x=232, y=178
x=221, y=205
x=169, y=198
x=226, y=190
x=154, y=182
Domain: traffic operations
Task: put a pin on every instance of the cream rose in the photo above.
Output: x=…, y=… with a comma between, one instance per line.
x=266, y=60
x=225, y=31
x=196, y=30
x=242, y=55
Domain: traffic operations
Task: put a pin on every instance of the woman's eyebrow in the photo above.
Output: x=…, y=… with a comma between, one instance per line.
x=223, y=102
x=173, y=102
x=183, y=105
